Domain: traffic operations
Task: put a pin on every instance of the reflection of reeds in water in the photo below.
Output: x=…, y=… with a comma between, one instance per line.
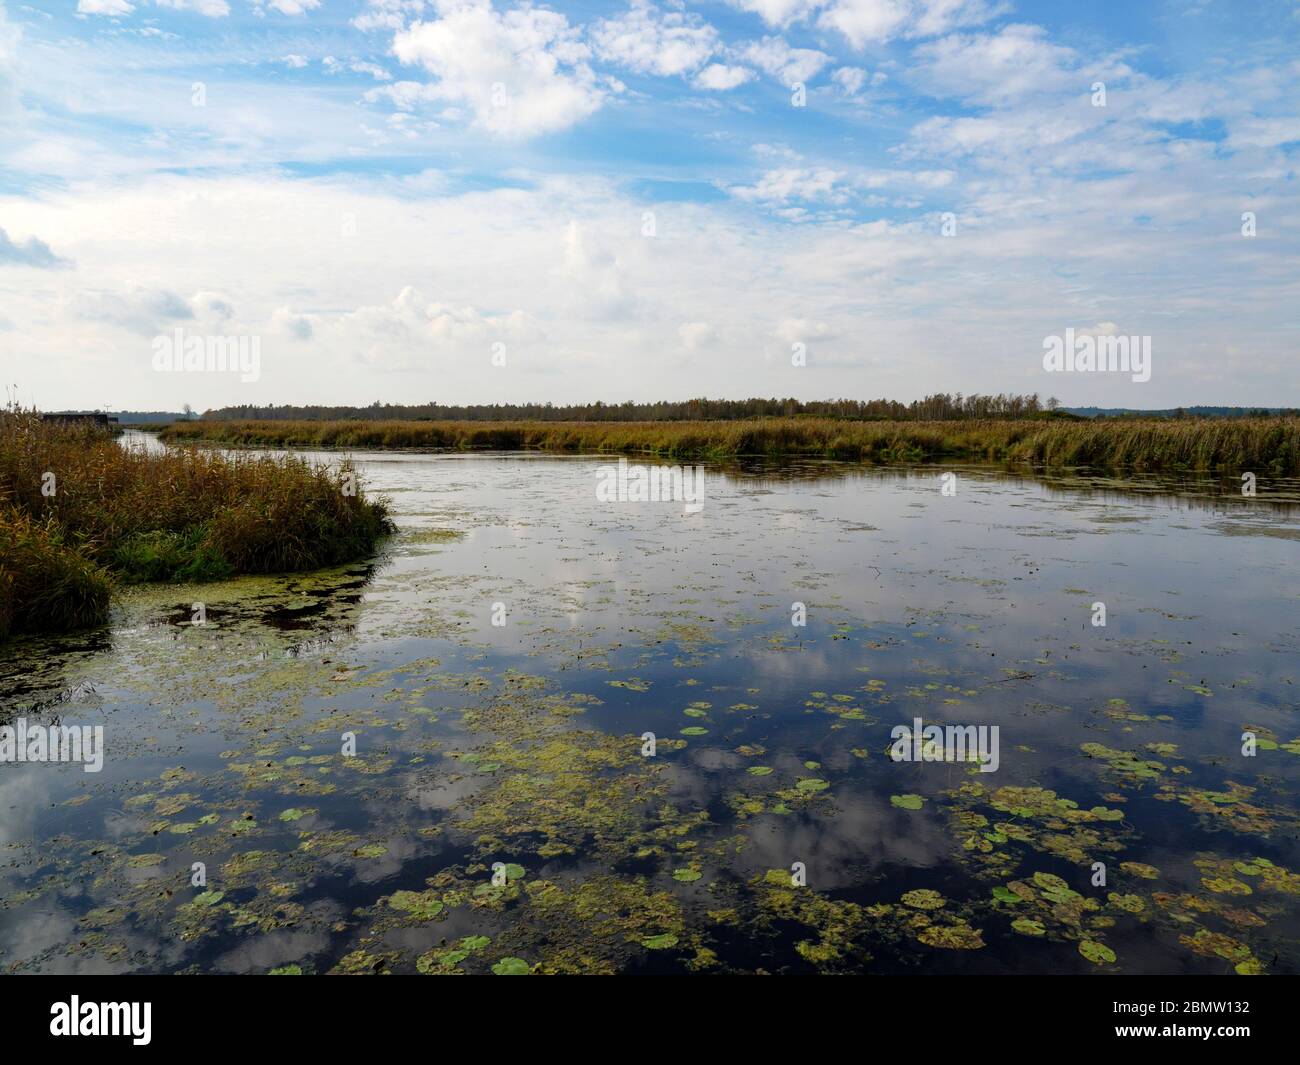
x=76, y=508
x=1261, y=445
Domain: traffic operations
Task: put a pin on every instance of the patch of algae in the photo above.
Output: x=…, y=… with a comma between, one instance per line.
x=1033, y=818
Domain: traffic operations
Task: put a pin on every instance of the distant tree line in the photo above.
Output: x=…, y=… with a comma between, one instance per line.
x=941, y=406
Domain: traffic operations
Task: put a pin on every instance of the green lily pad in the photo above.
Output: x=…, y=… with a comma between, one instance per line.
x=512, y=967
x=1097, y=953
x=907, y=802
x=665, y=941
x=208, y=898
x=423, y=905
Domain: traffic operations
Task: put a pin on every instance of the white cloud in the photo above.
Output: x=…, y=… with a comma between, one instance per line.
x=849, y=79
x=863, y=22
x=404, y=95
x=520, y=73
x=210, y=8
x=414, y=332
x=802, y=330
x=288, y=7
x=104, y=7
x=647, y=41
x=357, y=66
x=296, y=326
x=1264, y=132
x=560, y=273
x=388, y=14
x=778, y=12
x=789, y=65
x=297, y=62
x=720, y=77
x=1016, y=63
x=792, y=183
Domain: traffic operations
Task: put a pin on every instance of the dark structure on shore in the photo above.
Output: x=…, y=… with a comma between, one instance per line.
x=94, y=418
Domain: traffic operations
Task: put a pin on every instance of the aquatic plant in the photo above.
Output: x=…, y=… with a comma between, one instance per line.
x=1263, y=444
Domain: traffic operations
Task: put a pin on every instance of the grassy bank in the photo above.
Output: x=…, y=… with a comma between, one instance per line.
x=78, y=512
x=1261, y=445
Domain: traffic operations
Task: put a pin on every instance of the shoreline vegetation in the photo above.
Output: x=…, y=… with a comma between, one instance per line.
x=1202, y=445
x=80, y=514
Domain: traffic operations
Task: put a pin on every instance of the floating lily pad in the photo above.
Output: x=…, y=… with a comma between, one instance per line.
x=208, y=898
x=923, y=899
x=907, y=802
x=665, y=941
x=1097, y=953
x=423, y=905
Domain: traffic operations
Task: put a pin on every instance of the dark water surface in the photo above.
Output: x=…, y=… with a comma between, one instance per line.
x=521, y=743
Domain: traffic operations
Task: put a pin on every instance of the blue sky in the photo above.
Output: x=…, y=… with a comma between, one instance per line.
x=648, y=200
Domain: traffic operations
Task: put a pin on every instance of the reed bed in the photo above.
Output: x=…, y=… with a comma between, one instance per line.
x=79, y=512
x=1265, y=444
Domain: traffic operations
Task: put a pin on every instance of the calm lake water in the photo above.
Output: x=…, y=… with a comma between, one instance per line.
x=497, y=669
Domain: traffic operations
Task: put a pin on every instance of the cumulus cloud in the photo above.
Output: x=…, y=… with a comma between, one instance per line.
x=778, y=12
x=388, y=14
x=792, y=183
x=720, y=77
x=648, y=41
x=519, y=73
x=297, y=326
x=1014, y=64
x=863, y=22
x=849, y=79
x=775, y=56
